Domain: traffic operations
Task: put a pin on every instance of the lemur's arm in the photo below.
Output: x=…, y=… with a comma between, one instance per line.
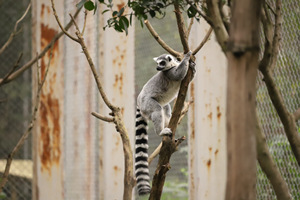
x=179, y=72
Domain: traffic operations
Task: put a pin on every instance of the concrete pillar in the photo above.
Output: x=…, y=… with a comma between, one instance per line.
x=207, y=130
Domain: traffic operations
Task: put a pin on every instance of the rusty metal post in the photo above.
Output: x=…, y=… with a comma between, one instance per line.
x=116, y=53
x=81, y=149
x=207, y=130
x=49, y=131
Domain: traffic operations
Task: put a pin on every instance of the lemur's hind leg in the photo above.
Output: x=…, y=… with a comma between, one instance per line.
x=167, y=114
x=154, y=111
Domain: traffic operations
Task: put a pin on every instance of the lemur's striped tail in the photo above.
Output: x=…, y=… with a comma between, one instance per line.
x=141, y=154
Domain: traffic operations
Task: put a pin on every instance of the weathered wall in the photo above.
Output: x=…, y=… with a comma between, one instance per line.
x=75, y=155
x=207, y=130
x=49, y=129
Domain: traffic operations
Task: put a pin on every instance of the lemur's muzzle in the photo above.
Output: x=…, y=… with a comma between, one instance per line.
x=158, y=68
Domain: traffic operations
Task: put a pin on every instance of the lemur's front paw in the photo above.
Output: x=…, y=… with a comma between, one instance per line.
x=166, y=132
x=188, y=54
x=193, y=66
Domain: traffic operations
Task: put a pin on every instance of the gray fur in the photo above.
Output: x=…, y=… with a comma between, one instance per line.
x=161, y=89
x=153, y=103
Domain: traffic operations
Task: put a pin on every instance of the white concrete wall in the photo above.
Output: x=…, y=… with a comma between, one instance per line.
x=207, y=130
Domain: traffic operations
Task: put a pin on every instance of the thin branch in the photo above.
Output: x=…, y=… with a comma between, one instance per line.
x=160, y=41
x=205, y=17
x=84, y=23
x=93, y=68
x=269, y=167
x=183, y=112
x=286, y=118
x=154, y=154
x=27, y=65
x=190, y=27
x=205, y=39
x=129, y=181
x=185, y=109
x=181, y=28
x=60, y=25
x=14, y=32
x=169, y=144
x=103, y=118
x=217, y=23
x=266, y=66
x=277, y=35
x=27, y=132
x=13, y=68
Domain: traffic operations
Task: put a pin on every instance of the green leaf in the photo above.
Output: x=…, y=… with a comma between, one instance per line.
x=121, y=12
x=95, y=8
x=191, y=12
x=124, y=20
x=89, y=5
x=115, y=13
x=130, y=18
x=105, y=11
x=124, y=24
x=101, y=1
x=152, y=13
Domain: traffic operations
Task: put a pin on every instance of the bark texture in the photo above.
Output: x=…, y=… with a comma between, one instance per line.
x=242, y=54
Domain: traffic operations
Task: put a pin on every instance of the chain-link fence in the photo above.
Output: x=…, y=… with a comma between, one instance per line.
x=15, y=99
x=287, y=78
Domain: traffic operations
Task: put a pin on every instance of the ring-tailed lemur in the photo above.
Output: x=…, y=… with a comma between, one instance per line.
x=153, y=103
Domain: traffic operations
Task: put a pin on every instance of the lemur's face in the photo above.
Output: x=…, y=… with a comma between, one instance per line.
x=165, y=62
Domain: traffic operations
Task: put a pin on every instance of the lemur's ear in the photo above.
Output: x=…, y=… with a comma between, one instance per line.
x=155, y=59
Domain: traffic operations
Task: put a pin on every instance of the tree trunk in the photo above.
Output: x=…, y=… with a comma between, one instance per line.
x=242, y=57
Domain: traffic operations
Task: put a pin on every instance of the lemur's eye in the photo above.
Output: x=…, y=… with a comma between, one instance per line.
x=169, y=58
x=163, y=63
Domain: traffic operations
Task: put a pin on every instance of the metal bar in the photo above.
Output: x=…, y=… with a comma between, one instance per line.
x=207, y=130
x=81, y=148
x=116, y=54
x=48, y=133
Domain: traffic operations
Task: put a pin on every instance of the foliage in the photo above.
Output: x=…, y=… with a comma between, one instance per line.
x=2, y=195
x=141, y=9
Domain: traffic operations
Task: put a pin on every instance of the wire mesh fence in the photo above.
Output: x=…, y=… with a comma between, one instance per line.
x=15, y=99
x=15, y=102
x=287, y=78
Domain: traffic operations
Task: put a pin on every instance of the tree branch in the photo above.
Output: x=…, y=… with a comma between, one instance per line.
x=181, y=28
x=169, y=145
x=183, y=112
x=190, y=27
x=13, y=68
x=269, y=167
x=286, y=118
x=205, y=39
x=297, y=114
x=103, y=118
x=266, y=66
x=10, y=157
x=14, y=32
x=60, y=25
x=195, y=6
x=27, y=65
x=217, y=23
x=160, y=41
x=129, y=181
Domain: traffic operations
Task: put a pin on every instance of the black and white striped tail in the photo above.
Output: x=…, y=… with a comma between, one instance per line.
x=141, y=155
